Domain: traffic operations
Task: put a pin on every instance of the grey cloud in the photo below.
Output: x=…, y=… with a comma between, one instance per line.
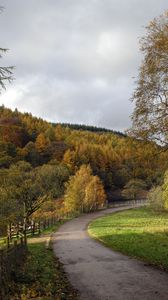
x=75, y=59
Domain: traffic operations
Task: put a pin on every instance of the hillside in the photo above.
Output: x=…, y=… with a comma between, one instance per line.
x=89, y=128
x=114, y=157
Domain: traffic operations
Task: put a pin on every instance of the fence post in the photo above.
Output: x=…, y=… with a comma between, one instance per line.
x=25, y=233
x=39, y=229
x=33, y=227
x=21, y=240
x=9, y=231
x=8, y=242
x=44, y=224
x=17, y=230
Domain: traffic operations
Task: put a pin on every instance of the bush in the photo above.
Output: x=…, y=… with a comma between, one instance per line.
x=133, y=189
x=158, y=196
x=155, y=198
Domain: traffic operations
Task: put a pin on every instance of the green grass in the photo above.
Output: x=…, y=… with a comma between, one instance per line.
x=43, y=276
x=139, y=233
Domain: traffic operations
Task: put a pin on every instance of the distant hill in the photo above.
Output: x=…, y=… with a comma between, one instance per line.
x=89, y=128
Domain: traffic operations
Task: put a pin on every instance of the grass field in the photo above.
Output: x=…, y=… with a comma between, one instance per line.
x=139, y=233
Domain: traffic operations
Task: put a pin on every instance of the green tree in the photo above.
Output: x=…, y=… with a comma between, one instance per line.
x=51, y=178
x=150, y=117
x=133, y=188
x=31, y=153
x=20, y=187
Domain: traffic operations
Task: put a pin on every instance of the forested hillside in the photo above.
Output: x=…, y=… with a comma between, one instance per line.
x=88, y=128
x=38, y=160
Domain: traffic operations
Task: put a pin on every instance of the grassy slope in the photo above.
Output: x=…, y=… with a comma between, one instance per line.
x=43, y=277
x=140, y=233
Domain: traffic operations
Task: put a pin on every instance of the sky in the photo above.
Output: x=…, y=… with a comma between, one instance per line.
x=75, y=61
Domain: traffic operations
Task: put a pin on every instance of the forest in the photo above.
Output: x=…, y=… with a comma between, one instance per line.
x=52, y=169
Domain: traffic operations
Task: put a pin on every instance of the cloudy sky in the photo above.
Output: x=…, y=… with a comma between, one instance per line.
x=75, y=59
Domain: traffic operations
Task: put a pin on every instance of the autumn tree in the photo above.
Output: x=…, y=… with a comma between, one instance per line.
x=50, y=134
x=59, y=135
x=75, y=189
x=41, y=143
x=84, y=192
x=94, y=195
x=69, y=159
x=150, y=117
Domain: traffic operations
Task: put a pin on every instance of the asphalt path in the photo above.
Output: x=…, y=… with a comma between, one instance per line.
x=98, y=273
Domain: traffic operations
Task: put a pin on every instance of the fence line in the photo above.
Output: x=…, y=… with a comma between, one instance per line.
x=127, y=203
x=12, y=256
x=19, y=232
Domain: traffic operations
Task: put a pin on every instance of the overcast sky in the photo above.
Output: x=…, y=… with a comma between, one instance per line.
x=75, y=59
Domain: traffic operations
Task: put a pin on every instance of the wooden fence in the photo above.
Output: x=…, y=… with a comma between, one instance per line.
x=13, y=252
x=19, y=232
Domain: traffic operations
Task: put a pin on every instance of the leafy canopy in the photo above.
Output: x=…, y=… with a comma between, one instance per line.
x=150, y=117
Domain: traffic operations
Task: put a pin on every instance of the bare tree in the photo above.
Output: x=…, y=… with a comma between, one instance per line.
x=6, y=73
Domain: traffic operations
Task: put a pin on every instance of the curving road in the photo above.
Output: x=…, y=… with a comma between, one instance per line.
x=99, y=273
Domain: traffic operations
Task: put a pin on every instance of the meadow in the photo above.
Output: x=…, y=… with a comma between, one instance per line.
x=140, y=233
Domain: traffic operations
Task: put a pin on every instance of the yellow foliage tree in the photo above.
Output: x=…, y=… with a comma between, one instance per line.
x=69, y=159
x=84, y=192
x=59, y=135
x=41, y=143
x=94, y=195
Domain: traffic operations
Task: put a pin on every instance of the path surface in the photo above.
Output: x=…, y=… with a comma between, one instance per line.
x=102, y=274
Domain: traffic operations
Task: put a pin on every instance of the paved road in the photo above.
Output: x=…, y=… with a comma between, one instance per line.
x=99, y=273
